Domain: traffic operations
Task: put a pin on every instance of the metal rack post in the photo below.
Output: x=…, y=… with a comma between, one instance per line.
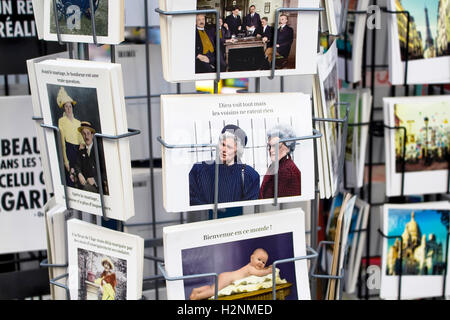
x=311, y=256
x=58, y=27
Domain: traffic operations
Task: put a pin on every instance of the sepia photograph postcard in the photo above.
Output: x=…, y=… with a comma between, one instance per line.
x=246, y=39
x=78, y=100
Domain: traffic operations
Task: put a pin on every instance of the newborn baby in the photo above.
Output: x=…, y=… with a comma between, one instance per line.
x=256, y=267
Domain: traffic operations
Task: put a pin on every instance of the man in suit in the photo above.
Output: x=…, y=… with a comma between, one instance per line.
x=224, y=30
x=205, y=57
x=234, y=22
x=252, y=21
x=284, y=40
x=285, y=37
x=265, y=32
x=85, y=170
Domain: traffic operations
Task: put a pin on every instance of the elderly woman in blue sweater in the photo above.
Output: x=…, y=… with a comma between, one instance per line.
x=237, y=181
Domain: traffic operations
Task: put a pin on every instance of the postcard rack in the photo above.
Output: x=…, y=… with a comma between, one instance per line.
x=83, y=51
x=316, y=134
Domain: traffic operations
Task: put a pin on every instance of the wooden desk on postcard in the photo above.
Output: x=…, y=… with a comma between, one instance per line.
x=244, y=54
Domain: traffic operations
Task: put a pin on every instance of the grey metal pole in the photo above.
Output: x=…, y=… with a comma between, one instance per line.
x=150, y=138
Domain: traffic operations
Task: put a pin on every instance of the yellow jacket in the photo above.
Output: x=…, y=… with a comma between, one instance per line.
x=69, y=133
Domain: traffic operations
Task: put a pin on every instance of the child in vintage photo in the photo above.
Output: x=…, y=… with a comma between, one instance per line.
x=107, y=280
x=256, y=267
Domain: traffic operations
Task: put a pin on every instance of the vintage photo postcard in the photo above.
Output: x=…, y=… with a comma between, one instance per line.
x=429, y=41
x=103, y=264
x=416, y=249
x=38, y=113
x=241, y=250
x=246, y=39
x=239, y=135
x=75, y=20
x=425, y=120
x=81, y=99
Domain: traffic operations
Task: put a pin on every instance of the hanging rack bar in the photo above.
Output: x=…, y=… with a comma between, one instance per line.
x=55, y=283
x=131, y=132
x=58, y=29
x=94, y=31
x=311, y=256
x=44, y=263
x=193, y=276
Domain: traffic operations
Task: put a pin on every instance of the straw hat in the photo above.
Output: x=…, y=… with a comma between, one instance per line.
x=108, y=261
x=63, y=98
x=86, y=125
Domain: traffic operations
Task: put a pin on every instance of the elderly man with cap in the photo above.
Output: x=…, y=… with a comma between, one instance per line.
x=85, y=171
x=68, y=127
x=237, y=181
x=289, y=176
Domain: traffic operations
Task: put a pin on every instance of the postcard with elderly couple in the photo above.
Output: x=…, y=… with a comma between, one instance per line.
x=104, y=264
x=242, y=251
x=82, y=99
x=240, y=135
x=246, y=39
x=417, y=249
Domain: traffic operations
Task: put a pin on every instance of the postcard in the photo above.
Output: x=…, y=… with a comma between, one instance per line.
x=429, y=43
x=38, y=113
x=425, y=120
x=241, y=250
x=244, y=129
x=82, y=99
x=75, y=20
x=246, y=40
x=416, y=249
x=103, y=264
